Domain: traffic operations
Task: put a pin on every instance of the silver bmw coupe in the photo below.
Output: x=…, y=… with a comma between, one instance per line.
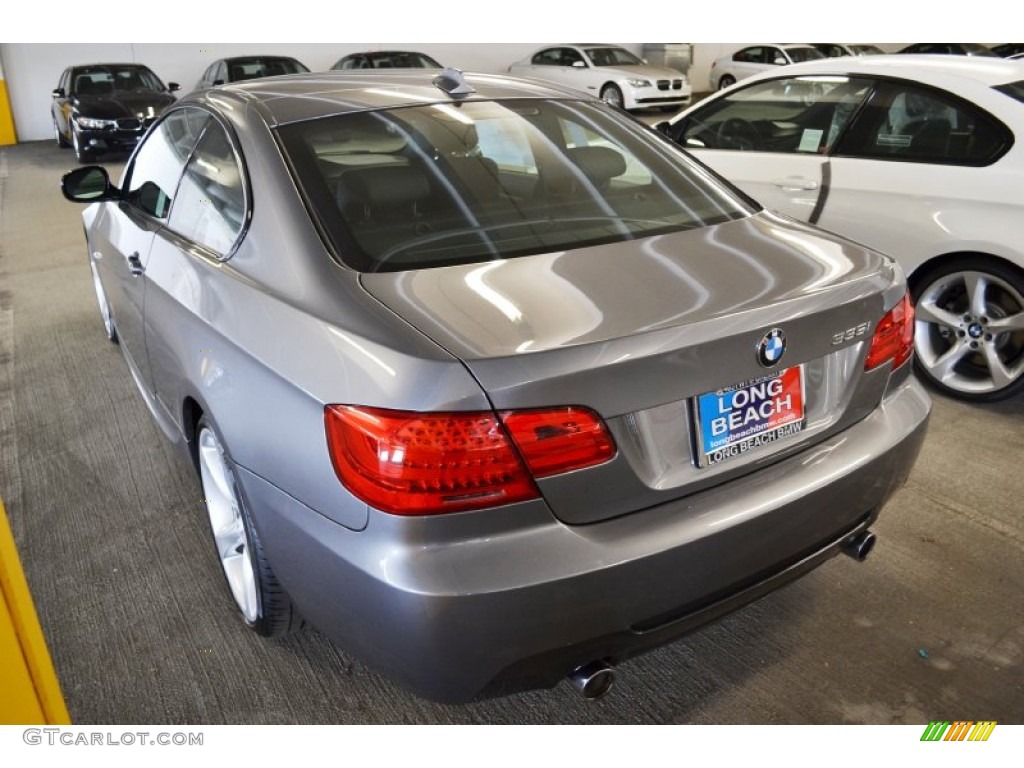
x=489, y=382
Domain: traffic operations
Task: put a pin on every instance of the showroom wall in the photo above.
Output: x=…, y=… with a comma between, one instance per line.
x=33, y=69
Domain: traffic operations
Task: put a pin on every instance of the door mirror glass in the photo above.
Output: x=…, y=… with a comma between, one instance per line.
x=87, y=185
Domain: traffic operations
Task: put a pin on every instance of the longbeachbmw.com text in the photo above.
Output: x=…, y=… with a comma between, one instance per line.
x=79, y=738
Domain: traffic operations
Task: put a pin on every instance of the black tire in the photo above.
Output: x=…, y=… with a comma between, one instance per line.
x=274, y=612
x=726, y=81
x=958, y=340
x=612, y=94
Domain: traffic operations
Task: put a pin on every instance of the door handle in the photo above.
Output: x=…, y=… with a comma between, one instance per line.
x=135, y=263
x=796, y=184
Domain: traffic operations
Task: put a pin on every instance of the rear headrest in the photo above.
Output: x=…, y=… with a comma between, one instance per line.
x=599, y=164
x=385, y=187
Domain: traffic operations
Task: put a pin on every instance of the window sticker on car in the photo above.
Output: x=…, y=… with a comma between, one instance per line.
x=893, y=140
x=810, y=140
x=736, y=419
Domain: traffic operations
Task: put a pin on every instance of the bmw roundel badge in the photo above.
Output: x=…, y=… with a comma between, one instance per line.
x=771, y=347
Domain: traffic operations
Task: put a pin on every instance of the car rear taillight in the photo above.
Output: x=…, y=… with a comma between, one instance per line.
x=894, y=337
x=409, y=463
x=559, y=440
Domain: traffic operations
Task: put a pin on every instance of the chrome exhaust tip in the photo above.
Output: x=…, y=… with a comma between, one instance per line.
x=593, y=680
x=860, y=546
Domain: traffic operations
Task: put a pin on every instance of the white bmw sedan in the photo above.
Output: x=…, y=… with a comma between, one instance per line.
x=915, y=156
x=616, y=75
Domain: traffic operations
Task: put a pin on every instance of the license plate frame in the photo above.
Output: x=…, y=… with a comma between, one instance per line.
x=737, y=419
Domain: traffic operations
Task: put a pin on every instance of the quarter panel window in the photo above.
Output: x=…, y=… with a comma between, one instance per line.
x=153, y=175
x=910, y=122
x=210, y=205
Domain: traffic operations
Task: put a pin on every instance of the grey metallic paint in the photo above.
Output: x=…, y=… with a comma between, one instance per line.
x=264, y=339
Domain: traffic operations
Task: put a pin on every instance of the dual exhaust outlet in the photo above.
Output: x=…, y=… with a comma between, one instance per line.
x=594, y=680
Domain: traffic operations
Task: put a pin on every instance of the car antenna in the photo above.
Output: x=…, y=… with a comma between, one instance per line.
x=452, y=82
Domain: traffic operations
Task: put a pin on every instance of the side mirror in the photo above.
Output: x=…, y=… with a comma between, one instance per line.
x=779, y=61
x=218, y=82
x=579, y=64
x=173, y=87
x=58, y=93
x=663, y=127
x=644, y=61
x=88, y=184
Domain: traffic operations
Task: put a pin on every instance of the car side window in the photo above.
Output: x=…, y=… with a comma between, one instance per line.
x=804, y=115
x=748, y=55
x=909, y=122
x=152, y=177
x=209, y=208
x=550, y=57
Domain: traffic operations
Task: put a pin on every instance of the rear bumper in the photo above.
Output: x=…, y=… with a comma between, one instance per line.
x=517, y=599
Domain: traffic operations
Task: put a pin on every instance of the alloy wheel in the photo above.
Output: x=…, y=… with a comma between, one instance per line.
x=969, y=334
x=228, y=525
x=101, y=299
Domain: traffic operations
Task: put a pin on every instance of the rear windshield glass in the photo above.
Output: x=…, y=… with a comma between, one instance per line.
x=250, y=69
x=452, y=183
x=1013, y=90
x=798, y=55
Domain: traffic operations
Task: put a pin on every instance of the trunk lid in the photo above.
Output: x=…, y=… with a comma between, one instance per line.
x=638, y=330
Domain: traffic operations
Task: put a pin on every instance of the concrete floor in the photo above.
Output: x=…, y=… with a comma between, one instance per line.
x=142, y=629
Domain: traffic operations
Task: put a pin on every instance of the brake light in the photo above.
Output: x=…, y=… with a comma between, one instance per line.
x=894, y=337
x=409, y=463
x=559, y=440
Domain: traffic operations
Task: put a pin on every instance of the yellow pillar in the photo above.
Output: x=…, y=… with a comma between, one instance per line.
x=7, y=132
x=31, y=693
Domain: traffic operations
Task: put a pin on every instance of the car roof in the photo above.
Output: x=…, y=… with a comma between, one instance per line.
x=292, y=98
x=383, y=52
x=258, y=57
x=110, y=64
x=928, y=68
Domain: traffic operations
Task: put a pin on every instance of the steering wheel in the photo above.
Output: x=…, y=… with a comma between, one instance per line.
x=737, y=133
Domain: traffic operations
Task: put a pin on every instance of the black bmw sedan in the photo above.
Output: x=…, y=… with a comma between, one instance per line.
x=100, y=108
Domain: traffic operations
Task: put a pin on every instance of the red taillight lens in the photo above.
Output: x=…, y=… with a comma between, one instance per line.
x=410, y=463
x=425, y=463
x=559, y=440
x=894, y=337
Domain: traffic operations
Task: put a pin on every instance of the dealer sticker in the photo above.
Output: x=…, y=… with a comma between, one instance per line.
x=748, y=415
